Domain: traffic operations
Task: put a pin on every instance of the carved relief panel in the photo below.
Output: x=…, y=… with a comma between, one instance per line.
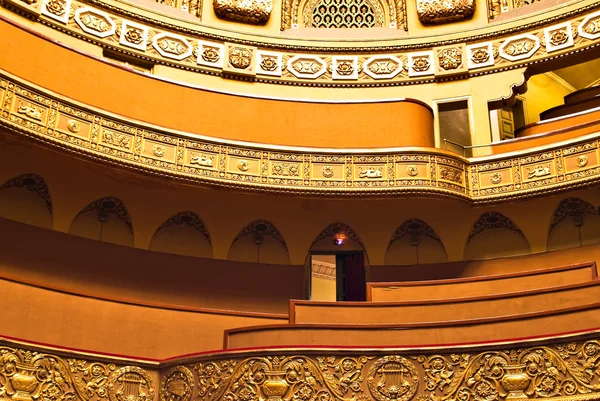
x=440, y=11
x=249, y=11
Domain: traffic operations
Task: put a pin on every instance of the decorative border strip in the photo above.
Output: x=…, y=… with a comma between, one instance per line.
x=104, y=25
x=56, y=121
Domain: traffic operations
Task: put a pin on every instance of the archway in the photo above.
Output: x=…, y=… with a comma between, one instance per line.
x=106, y=219
x=337, y=266
x=259, y=242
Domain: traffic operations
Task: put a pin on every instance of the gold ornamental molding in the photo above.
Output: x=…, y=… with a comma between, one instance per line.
x=554, y=369
x=45, y=117
x=156, y=38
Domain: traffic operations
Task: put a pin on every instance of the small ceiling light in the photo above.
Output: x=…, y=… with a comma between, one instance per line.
x=339, y=239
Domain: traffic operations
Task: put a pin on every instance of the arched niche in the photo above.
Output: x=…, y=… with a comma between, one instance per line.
x=575, y=222
x=106, y=219
x=325, y=241
x=415, y=242
x=494, y=235
x=183, y=234
x=259, y=242
x=26, y=198
x=309, y=13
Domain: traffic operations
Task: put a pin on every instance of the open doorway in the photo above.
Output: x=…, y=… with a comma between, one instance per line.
x=339, y=276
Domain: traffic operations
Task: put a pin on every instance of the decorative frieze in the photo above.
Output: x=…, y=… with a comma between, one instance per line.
x=87, y=132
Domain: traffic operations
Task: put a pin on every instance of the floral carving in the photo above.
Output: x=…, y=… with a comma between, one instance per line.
x=250, y=11
x=261, y=228
x=95, y=22
x=210, y=54
x=559, y=37
x=571, y=207
x=269, y=63
x=492, y=220
x=383, y=67
x=116, y=139
x=110, y=205
x=439, y=11
x=327, y=171
x=520, y=47
x=344, y=68
x=56, y=7
x=158, y=150
x=134, y=35
x=451, y=174
x=286, y=169
x=480, y=55
x=240, y=57
x=306, y=66
x=450, y=59
x=421, y=64
x=496, y=178
x=173, y=46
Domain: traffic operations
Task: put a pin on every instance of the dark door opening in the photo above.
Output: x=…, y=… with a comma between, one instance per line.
x=338, y=277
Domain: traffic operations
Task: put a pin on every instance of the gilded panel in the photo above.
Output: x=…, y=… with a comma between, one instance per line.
x=496, y=178
x=159, y=151
x=540, y=170
x=368, y=172
x=74, y=126
x=581, y=161
x=412, y=171
x=243, y=165
x=327, y=171
x=30, y=110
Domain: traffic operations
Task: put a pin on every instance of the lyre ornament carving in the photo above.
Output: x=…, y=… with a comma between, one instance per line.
x=130, y=383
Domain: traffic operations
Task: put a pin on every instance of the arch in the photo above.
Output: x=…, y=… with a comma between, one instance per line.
x=574, y=222
x=415, y=242
x=183, y=234
x=494, y=235
x=324, y=241
x=105, y=219
x=260, y=242
x=298, y=13
x=26, y=198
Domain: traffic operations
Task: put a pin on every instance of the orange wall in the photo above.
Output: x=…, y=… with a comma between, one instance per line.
x=207, y=113
x=91, y=267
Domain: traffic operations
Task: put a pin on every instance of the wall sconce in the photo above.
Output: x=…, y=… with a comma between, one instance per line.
x=339, y=239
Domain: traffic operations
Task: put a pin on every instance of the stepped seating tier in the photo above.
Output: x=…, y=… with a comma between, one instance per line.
x=481, y=286
x=505, y=328
x=439, y=311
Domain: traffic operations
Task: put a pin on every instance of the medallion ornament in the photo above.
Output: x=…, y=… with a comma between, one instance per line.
x=95, y=22
x=439, y=11
x=421, y=64
x=243, y=165
x=134, y=35
x=130, y=383
x=327, y=171
x=496, y=178
x=158, y=150
x=582, y=161
x=240, y=57
x=178, y=385
x=248, y=11
x=450, y=59
x=73, y=126
x=393, y=378
x=413, y=171
x=269, y=63
x=56, y=7
x=519, y=47
x=211, y=54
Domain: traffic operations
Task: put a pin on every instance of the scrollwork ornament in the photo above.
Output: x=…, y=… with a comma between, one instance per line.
x=130, y=383
x=393, y=378
x=178, y=385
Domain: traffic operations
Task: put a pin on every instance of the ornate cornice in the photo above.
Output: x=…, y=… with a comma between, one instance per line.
x=323, y=270
x=48, y=118
x=151, y=36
